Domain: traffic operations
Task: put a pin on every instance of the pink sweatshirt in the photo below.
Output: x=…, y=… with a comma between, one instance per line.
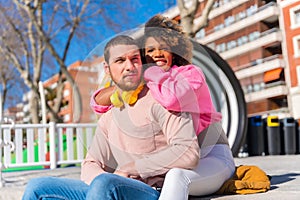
x=148, y=135
x=182, y=89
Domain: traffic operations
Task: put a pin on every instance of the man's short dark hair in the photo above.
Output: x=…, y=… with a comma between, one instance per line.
x=118, y=40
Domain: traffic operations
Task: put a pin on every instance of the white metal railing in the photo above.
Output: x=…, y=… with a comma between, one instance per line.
x=45, y=145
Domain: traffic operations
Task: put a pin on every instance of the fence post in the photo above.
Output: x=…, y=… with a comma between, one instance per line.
x=1, y=157
x=1, y=164
x=4, y=143
x=52, y=144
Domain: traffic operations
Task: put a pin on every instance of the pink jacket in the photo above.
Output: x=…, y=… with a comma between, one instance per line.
x=182, y=89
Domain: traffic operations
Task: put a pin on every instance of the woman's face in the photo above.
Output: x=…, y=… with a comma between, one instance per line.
x=158, y=52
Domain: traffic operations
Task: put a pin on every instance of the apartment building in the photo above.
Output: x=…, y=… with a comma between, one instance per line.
x=85, y=75
x=13, y=114
x=290, y=25
x=260, y=39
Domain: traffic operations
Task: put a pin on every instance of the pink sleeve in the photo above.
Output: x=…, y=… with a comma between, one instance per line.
x=177, y=88
x=90, y=168
x=98, y=109
x=99, y=158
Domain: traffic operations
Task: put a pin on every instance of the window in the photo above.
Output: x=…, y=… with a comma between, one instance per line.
x=295, y=17
x=253, y=36
x=296, y=45
x=231, y=44
x=298, y=74
x=67, y=118
x=212, y=45
x=66, y=93
x=251, y=10
x=200, y=34
x=229, y=20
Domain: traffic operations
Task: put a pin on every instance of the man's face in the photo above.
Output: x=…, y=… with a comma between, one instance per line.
x=125, y=66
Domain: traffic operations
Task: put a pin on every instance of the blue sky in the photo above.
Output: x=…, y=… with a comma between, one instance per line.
x=138, y=13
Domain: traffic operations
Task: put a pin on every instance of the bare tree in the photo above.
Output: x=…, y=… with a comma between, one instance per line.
x=28, y=33
x=188, y=10
x=7, y=78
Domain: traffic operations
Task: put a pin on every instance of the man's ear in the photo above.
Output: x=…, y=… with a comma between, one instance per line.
x=106, y=68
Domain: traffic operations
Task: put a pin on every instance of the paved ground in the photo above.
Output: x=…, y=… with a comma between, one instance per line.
x=285, y=182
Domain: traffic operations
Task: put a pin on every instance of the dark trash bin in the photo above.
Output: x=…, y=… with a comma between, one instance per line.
x=289, y=135
x=297, y=137
x=273, y=134
x=255, y=136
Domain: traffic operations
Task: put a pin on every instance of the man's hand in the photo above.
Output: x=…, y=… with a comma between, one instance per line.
x=128, y=171
x=127, y=175
x=122, y=173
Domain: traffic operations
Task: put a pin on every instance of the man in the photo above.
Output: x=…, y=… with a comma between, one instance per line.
x=136, y=142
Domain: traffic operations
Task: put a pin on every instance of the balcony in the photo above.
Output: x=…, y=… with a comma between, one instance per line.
x=266, y=93
x=268, y=12
x=216, y=11
x=281, y=113
x=260, y=66
x=220, y=9
x=266, y=39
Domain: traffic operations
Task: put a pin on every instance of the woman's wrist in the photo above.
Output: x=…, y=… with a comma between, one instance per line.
x=103, y=96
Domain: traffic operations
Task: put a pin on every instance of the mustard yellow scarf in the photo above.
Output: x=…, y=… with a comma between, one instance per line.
x=129, y=97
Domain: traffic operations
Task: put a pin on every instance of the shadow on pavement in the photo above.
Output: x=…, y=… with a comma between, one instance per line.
x=279, y=179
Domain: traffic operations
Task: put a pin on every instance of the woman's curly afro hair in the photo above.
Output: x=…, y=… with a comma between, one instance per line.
x=163, y=28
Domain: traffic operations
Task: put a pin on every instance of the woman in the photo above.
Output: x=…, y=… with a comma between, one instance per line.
x=181, y=87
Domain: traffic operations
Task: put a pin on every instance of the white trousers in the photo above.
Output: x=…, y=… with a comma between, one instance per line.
x=215, y=166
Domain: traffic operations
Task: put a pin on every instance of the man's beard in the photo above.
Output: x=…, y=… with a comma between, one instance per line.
x=122, y=85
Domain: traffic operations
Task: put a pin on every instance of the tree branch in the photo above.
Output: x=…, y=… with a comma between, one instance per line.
x=188, y=14
x=203, y=20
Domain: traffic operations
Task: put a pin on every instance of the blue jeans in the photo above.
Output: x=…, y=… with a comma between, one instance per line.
x=104, y=187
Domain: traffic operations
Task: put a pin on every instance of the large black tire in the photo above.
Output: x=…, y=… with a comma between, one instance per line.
x=226, y=93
